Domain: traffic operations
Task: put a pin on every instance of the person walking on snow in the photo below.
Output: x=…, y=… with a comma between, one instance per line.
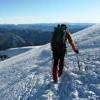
x=58, y=46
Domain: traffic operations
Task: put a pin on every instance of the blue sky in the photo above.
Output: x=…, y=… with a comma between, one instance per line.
x=49, y=11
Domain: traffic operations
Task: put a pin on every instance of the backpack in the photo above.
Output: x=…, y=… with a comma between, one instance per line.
x=58, y=40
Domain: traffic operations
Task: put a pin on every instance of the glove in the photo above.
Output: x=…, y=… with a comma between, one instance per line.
x=77, y=51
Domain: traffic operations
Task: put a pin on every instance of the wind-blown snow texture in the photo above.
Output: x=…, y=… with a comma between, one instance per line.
x=28, y=76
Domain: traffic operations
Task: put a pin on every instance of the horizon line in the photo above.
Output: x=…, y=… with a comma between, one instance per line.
x=50, y=23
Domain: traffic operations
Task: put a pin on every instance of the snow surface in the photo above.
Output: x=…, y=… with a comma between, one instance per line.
x=15, y=51
x=27, y=76
x=89, y=37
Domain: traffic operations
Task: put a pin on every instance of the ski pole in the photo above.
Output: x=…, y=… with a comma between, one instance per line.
x=78, y=62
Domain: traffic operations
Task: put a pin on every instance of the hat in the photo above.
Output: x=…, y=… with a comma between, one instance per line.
x=63, y=25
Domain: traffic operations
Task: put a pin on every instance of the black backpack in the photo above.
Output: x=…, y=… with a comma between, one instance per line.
x=58, y=38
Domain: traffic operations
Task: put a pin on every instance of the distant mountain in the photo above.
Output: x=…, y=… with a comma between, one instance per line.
x=8, y=40
x=31, y=34
x=74, y=27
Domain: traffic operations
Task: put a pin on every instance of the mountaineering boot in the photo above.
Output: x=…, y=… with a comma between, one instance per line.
x=55, y=74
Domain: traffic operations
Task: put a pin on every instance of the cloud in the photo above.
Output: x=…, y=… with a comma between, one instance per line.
x=19, y=20
x=31, y=20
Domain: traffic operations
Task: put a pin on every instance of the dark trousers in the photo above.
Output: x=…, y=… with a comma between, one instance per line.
x=58, y=63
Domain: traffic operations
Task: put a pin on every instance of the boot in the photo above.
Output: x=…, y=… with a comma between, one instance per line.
x=55, y=74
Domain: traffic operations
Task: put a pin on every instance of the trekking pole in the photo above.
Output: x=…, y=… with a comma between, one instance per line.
x=78, y=61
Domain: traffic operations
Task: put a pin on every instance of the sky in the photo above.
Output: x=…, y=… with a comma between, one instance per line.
x=49, y=11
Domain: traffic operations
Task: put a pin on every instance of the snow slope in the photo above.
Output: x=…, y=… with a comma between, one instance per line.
x=89, y=37
x=28, y=76
x=15, y=51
